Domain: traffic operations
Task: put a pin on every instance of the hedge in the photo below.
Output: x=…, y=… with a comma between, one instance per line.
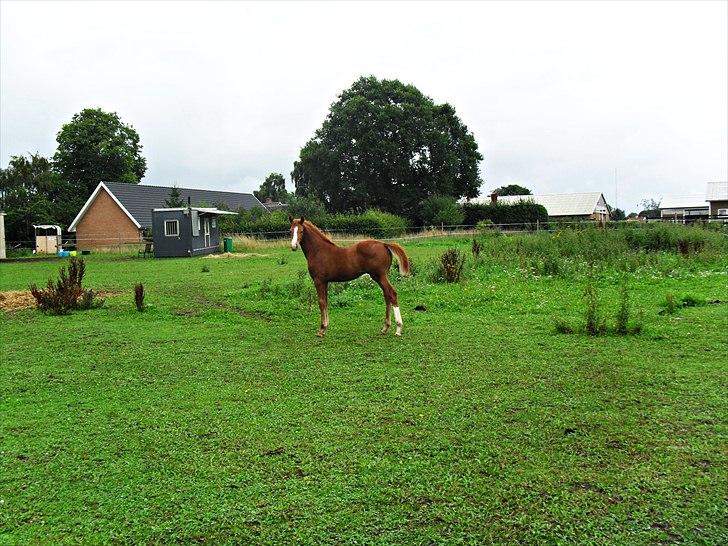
x=370, y=222
x=521, y=212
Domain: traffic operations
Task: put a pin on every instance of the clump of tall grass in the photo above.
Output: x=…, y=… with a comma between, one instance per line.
x=594, y=324
x=476, y=248
x=451, y=265
x=670, y=304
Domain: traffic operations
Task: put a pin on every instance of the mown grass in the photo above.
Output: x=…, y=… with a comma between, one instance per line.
x=216, y=415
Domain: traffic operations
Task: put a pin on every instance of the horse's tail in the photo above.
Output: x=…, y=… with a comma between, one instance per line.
x=404, y=262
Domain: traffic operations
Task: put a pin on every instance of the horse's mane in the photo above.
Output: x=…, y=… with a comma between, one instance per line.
x=317, y=231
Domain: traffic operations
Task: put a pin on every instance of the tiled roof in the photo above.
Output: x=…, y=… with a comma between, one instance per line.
x=556, y=204
x=140, y=199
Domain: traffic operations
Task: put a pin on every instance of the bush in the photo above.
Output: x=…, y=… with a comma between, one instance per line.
x=139, y=296
x=521, y=212
x=451, y=265
x=441, y=210
x=594, y=324
x=371, y=222
x=621, y=325
x=476, y=248
x=61, y=297
x=670, y=304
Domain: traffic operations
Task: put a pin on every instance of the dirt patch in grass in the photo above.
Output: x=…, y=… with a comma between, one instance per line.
x=15, y=300
x=237, y=255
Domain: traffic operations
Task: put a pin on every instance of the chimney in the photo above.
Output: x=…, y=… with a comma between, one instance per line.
x=493, y=197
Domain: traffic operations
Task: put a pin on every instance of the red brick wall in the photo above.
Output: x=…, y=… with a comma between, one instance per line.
x=105, y=225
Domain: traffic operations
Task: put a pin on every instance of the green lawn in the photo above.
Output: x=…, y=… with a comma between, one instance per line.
x=217, y=415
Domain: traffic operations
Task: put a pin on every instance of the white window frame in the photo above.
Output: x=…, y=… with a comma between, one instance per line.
x=722, y=212
x=213, y=223
x=176, y=228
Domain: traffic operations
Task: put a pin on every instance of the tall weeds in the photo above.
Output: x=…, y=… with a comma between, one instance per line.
x=62, y=296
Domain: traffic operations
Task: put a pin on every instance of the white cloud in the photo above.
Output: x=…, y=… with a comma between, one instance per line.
x=558, y=95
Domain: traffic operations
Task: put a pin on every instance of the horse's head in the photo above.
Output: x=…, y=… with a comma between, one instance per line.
x=296, y=231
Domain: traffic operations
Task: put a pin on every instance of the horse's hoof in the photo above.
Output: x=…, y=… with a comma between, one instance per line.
x=320, y=334
x=383, y=332
x=398, y=334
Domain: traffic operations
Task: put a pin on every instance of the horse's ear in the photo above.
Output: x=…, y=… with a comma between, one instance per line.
x=302, y=220
x=290, y=218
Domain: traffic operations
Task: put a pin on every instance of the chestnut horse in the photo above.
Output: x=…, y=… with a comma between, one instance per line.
x=330, y=263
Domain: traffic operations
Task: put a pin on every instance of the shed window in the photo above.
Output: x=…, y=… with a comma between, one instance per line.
x=171, y=228
x=214, y=224
x=722, y=212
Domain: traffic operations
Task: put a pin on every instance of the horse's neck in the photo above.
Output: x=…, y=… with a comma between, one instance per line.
x=312, y=243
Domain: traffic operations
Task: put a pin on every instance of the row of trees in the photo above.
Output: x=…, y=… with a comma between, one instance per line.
x=94, y=146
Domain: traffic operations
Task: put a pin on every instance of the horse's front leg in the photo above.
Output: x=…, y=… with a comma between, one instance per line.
x=322, y=289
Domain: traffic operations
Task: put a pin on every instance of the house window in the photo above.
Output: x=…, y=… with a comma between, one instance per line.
x=214, y=224
x=171, y=228
x=722, y=212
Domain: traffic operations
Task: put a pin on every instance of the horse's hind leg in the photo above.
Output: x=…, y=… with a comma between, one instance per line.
x=322, y=289
x=390, y=298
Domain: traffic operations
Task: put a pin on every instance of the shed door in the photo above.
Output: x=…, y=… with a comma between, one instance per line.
x=206, y=227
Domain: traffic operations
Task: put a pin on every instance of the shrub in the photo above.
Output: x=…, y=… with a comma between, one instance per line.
x=670, y=305
x=371, y=221
x=451, y=265
x=89, y=300
x=594, y=324
x=621, y=325
x=441, y=210
x=205, y=268
x=308, y=207
x=139, y=296
x=520, y=212
x=61, y=297
x=476, y=248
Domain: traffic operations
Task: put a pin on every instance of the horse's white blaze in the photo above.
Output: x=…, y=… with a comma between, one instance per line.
x=294, y=240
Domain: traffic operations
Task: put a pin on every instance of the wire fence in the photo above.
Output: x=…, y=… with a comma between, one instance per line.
x=107, y=240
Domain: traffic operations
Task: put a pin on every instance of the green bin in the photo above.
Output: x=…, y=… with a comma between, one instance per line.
x=227, y=244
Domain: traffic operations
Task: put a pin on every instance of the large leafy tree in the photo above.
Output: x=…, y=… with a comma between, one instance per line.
x=96, y=146
x=32, y=193
x=512, y=189
x=274, y=187
x=386, y=145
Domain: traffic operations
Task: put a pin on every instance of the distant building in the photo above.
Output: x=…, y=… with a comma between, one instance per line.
x=717, y=198
x=712, y=205
x=684, y=208
x=583, y=206
x=117, y=213
x=274, y=205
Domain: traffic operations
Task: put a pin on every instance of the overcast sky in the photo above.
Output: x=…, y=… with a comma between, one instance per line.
x=558, y=95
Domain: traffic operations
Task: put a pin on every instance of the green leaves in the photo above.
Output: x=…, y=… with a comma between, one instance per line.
x=97, y=146
x=386, y=145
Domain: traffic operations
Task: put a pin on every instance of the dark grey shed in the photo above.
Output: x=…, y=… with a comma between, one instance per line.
x=186, y=231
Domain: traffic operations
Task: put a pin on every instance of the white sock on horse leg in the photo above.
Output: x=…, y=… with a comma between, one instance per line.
x=398, y=319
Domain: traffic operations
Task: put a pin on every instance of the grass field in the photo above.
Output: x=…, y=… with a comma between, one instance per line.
x=217, y=416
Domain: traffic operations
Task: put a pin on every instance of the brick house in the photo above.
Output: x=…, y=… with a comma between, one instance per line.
x=117, y=213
